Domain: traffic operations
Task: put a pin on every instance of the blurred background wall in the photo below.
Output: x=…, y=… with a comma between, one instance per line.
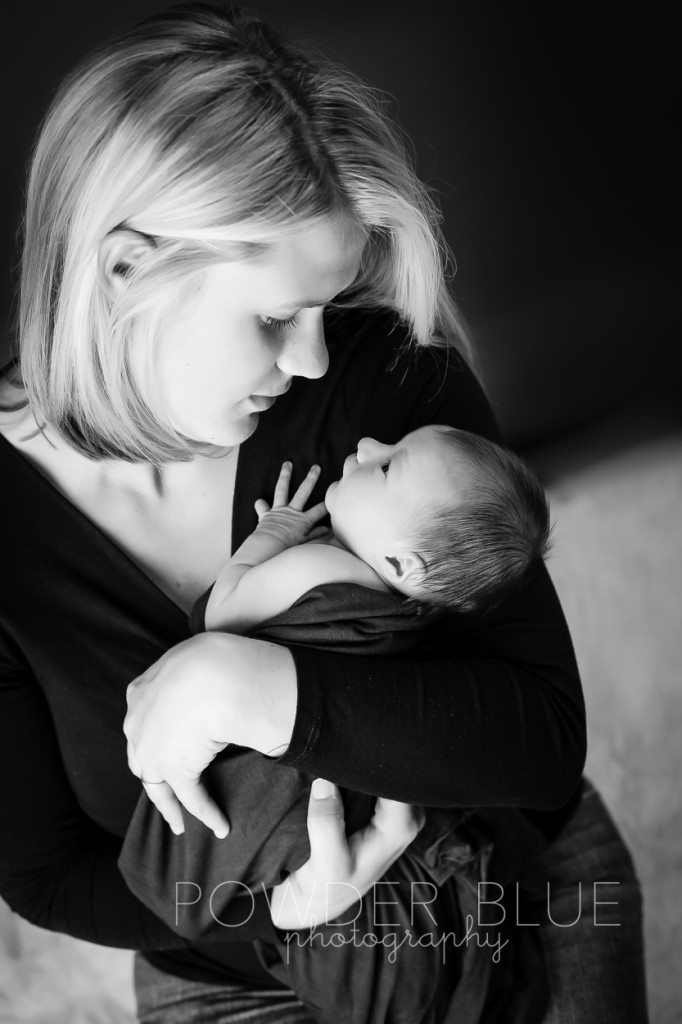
x=550, y=132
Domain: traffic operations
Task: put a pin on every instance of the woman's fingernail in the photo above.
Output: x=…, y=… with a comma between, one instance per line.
x=322, y=789
x=177, y=830
x=221, y=833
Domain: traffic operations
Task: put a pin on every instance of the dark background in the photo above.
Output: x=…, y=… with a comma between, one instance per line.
x=551, y=133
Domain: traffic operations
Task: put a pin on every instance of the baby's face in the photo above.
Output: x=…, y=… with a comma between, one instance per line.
x=384, y=486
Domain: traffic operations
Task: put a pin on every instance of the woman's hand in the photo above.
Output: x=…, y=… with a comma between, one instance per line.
x=173, y=733
x=341, y=870
x=209, y=691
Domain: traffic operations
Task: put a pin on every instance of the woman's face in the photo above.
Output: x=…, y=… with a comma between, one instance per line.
x=252, y=327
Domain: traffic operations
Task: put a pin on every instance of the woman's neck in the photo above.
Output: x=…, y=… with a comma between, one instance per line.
x=47, y=448
x=175, y=522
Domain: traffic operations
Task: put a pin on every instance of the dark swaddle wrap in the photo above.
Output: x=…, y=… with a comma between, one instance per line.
x=188, y=880
x=349, y=619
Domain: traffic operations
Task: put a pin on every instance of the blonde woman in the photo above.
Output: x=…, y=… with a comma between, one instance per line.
x=227, y=256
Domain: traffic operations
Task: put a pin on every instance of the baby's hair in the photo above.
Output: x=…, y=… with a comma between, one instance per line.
x=478, y=550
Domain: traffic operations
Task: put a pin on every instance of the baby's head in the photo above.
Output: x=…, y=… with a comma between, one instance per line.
x=444, y=516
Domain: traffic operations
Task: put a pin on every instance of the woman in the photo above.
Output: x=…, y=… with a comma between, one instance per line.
x=226, y=252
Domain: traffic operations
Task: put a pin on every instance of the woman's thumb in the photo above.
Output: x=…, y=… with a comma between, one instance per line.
x=326, y=828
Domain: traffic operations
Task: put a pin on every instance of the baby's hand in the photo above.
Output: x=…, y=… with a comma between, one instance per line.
x=286, y=520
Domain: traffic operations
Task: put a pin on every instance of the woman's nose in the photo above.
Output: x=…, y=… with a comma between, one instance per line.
x=304, y=352
x=369, y=449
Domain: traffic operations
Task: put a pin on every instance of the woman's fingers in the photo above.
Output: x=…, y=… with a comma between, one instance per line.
x=177, y=791
x=394, y=818
x=326, y=829
x=393, y=827
x=194, y=797
x=163, y=798
x=302, y=899
x=189, y=793
x=261, y=506
x=368, y=853
x=171, y=727
x=341, y=870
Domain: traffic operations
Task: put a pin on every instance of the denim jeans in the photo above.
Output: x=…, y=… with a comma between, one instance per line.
x=165, y=999
x=585, y=901
x=595, y=966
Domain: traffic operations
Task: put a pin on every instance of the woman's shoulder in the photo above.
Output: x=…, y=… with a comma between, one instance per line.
x=15, y=414
x=389, y=379
x=23, y=448
x=16, y=426
x=30, y=466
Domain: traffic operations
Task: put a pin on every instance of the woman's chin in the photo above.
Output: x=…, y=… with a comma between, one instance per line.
x=225, y=435
x=243, y=428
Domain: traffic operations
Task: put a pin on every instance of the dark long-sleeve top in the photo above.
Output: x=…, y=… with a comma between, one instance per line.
x=498, y=723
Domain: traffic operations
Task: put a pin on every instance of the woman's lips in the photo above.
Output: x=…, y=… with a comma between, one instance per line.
x=263, y=402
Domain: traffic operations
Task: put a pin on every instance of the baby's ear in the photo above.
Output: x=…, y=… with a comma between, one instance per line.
x=406, y=567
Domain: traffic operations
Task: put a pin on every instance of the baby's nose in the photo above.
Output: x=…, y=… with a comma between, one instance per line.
x=369, y=449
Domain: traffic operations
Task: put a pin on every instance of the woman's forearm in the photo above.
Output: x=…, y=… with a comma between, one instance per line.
x=488, y=715
x=492, y=715
x=470, y=732
x=495, y=718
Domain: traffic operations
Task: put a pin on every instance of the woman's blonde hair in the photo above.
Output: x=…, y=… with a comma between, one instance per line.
x=201, y=129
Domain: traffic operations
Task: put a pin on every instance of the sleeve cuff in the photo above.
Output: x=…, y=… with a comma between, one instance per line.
x=307, y=722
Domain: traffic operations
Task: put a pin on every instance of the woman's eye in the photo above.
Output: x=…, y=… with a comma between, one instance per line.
x=279, y=325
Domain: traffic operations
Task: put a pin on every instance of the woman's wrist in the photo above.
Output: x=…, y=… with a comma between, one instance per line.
x=253, y=691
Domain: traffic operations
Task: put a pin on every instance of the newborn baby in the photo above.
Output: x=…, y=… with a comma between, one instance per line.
x=447, y=518
x=442, y=520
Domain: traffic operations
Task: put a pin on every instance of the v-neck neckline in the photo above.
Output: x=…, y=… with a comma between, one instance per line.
x=94, y=527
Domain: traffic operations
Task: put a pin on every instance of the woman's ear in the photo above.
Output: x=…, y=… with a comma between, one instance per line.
x=406, y=567
x=119, y=253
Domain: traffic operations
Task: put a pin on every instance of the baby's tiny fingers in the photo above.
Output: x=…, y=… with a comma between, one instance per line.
x=261, y=507
x=317, y=512
x=306, y=489
x=282, y=486
x=319, y=531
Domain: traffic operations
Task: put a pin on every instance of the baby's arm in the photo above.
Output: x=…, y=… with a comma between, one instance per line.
x=275, y=565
